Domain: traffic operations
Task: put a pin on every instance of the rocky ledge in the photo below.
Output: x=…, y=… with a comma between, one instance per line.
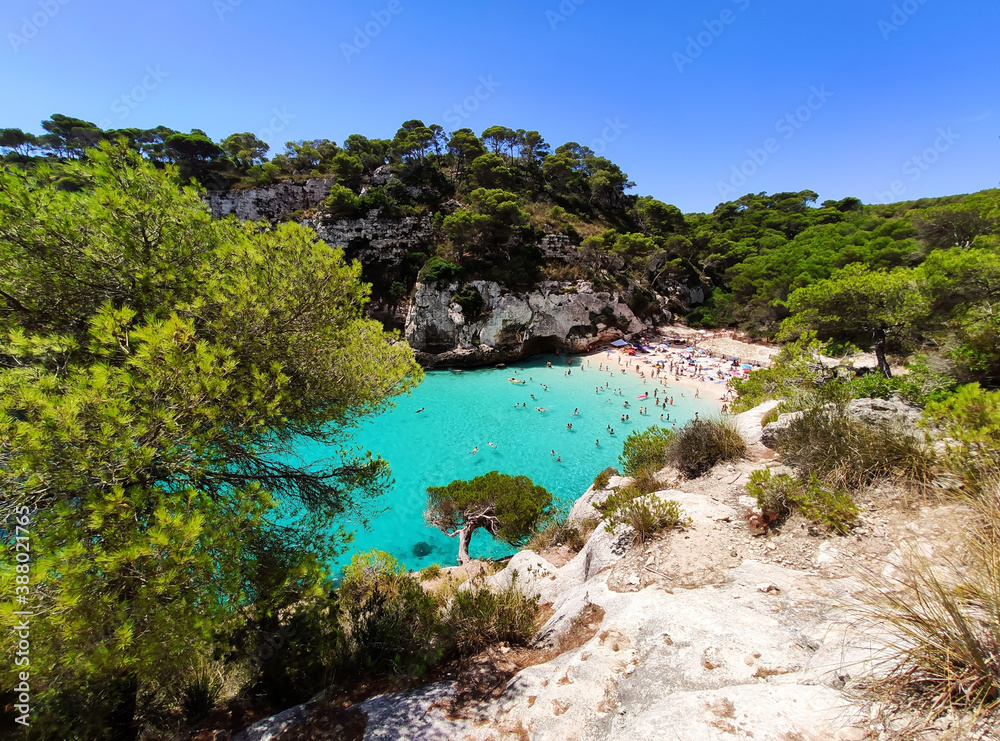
x=569, y=317
x=708, y=632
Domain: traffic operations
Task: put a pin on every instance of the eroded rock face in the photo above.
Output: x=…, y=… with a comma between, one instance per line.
x=557, y=316
x=274, y=203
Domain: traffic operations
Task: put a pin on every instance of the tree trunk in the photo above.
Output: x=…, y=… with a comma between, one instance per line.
x=883, y=364
x=464, y=537
x=122, y=721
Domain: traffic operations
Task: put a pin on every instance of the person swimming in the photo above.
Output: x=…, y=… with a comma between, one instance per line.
x=474, y=450
x=419, y=410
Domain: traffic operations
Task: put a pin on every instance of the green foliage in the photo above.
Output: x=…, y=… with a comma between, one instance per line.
x=969, y=419
x=852, y=454
x=482, y=616
x=200, y=695
x=439, y=271
x=702, y=444
x=602, y=479
x=430, y=572
x=778, y=495
x=342, y=203
x=793, y=376
x=508, y=507
x=390, y=624
x=156, y=368
x=873, y=309
x=471, y=301
x=646, y=449
x=646, y=514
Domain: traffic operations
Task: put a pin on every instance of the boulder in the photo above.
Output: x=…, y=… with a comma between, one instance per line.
x=771, y=433
x=892, y=411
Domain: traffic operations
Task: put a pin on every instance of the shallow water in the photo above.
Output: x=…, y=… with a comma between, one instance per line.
x=466, y=410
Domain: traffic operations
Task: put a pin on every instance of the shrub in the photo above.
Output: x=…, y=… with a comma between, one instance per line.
x=942, y=654
x=200, y=695
x=970, y=418
x=438, y=271
x=702, y=444
x=646, y=449
x=604, y=477
x=772, y=494
x=341, y=203
x=647, y=480
x=778, y=495
x=851, y=454
x=561, y=532
x=431, y=572
x=390, y=623
x=646, y=514
x=481, y=616
x=471, y=301
x=796, y=372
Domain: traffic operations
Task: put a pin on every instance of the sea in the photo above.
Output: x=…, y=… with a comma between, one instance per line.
x=462, y=424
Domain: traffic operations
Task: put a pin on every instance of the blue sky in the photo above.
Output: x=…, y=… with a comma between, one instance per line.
x=698, y=101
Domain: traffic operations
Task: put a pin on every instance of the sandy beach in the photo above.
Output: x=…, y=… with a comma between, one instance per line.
x=703, y=372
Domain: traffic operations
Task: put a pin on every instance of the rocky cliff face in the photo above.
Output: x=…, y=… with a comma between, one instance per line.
x=563, y=316
x=570, y=317
x=273, y=203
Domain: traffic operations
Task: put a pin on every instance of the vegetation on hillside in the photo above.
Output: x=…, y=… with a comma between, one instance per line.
x=889, y=278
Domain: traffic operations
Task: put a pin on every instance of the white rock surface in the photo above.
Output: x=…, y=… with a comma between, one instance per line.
x=566, y=316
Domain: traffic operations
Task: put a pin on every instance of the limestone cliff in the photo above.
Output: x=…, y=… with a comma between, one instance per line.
x=564, y=316
x=554, y=316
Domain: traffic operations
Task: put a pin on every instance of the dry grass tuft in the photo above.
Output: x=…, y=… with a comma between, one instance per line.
x=943, y=618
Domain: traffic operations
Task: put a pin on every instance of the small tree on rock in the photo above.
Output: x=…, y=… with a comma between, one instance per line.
x=507, y=507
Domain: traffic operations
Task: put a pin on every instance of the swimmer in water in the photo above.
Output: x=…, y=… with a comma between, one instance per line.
x=474, y=450
x=492, y=445
x=569, y=426
x=419, y=410
x=558, y=459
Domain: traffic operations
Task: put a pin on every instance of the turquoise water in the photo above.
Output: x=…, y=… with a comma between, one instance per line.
x=466, y=410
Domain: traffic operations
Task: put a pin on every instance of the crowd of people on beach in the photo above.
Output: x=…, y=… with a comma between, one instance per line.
x=688, y=368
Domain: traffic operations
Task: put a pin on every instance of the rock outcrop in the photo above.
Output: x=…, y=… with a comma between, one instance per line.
x=708, y=632
x=273, y=203
x=569, y=317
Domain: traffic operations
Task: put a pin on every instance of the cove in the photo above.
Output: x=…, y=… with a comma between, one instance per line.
x=466, y=410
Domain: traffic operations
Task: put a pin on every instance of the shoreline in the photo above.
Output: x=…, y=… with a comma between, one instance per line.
x=721, y=347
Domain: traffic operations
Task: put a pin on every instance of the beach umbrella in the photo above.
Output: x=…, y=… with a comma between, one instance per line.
x=748, y=367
